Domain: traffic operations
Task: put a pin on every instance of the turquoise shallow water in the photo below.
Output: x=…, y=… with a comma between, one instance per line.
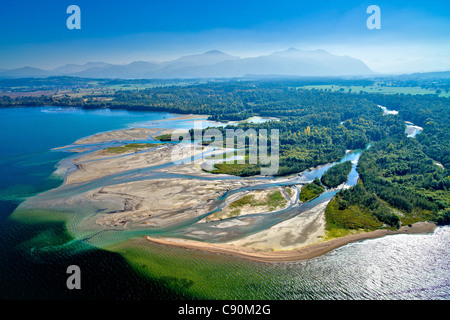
x=34, y=257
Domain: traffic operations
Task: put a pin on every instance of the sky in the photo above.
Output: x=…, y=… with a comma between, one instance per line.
x=414, y=35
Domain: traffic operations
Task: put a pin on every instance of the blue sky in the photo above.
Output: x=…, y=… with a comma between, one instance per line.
x=414, y=35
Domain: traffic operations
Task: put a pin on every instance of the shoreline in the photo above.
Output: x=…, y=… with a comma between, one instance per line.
x=134, y=207
x=305, y=253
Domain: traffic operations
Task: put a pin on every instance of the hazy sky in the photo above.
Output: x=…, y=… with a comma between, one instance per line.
x=414, y=35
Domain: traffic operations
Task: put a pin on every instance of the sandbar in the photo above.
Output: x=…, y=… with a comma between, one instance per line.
x=308, y=252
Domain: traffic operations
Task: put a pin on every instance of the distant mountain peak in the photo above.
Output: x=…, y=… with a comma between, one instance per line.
x=214, y=52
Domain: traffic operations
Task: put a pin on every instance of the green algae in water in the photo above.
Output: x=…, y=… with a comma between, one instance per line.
x=200, y=274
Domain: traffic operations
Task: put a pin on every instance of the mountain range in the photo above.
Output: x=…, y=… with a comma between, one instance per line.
x=211, y=64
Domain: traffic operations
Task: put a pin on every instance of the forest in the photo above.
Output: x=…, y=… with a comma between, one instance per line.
x=356, y=208
x=399, y=185
x=429, y=112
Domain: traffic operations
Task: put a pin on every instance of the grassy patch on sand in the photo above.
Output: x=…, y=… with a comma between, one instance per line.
x=276, y=200
x=247, y=199
x=273, y=201
x=289, y=191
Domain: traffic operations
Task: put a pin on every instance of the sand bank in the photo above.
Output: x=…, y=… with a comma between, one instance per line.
x=161, y=202
x=302, y=230
x=257, y=204
x=100, y=164
x=305, y=253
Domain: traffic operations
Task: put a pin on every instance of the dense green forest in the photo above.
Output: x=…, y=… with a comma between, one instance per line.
x=401, y=179
x=315, y=127
x=311, y=190
x=337, y=174
x=399, y=184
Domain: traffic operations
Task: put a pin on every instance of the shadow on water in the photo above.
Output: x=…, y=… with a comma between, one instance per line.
x=35, y=256
x=31, y=270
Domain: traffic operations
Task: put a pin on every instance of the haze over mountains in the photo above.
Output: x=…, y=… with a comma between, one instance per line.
x=291, y=62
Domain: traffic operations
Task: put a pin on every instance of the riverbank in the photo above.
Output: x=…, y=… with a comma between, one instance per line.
x=308, y=252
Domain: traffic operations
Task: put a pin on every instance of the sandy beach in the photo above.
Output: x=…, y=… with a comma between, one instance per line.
x=126, y=134
x=308, y=252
